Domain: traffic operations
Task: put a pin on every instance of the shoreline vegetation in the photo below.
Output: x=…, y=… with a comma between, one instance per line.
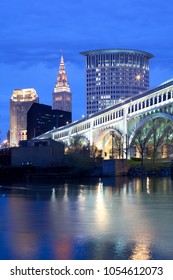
x=135, y=169
x=162, y=167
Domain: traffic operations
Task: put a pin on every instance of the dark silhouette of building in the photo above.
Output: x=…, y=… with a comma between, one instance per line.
x=5, y=157
x=41, y=153
x=41, y=118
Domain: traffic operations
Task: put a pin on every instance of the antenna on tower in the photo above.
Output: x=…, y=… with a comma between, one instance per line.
x=61, y=55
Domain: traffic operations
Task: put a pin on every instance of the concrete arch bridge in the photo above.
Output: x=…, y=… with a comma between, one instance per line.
x=121, y=121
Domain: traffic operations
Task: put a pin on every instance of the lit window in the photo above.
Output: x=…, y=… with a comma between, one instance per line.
x=58, y=98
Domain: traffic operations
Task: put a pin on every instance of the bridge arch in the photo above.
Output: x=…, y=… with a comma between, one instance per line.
x=107, y=143
x=106, y=131
x=148, y=118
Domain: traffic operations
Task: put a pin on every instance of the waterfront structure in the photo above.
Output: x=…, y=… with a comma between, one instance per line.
x=113, y=75
x=20, y=102
x=124, y=119
x=5, y=157
x=41, y=118
x=62, y=96
x=41, y=153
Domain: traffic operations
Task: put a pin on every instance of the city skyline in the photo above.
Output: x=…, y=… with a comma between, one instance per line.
x=31, y=39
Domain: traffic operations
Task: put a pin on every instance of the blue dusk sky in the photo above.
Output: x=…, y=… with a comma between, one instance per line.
x=33, y=32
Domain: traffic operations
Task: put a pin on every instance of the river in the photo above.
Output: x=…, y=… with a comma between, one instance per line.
x=113, y=218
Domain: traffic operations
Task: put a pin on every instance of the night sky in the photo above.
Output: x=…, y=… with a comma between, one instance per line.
x=33, y=32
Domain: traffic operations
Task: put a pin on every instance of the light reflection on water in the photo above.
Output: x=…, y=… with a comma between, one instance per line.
x=77, y=219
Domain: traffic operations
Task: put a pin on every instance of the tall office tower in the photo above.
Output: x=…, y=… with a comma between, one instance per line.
x=62, y=97
x=41, y=118
x=113, y=75
x=20, y=102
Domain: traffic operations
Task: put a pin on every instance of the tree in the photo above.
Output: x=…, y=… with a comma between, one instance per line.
x=95, y=152
x=167, y=146
x=140, y=141
x=160, y=129
x=152, y=136
x=78, y=144
x=78, y=157
x=117, y=147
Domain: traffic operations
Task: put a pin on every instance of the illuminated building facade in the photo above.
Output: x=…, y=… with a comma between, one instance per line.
x=20, y=102
x=113, y=75
x=62, y=97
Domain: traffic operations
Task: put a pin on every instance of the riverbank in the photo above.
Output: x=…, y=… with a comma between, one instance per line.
x=12, y=174
x=134, y=170
x=139, y=171
x=159, y=168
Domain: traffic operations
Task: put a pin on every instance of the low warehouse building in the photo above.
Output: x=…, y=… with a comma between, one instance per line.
x=43, y=153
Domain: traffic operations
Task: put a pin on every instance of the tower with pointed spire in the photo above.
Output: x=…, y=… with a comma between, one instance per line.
x=62, y=97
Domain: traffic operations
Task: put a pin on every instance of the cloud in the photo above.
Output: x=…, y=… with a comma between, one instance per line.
x=36, y=30
x=33, y=32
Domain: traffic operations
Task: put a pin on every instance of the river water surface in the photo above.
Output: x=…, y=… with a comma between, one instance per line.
x=118, y=218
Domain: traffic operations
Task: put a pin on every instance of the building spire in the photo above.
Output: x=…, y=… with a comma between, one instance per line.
x=62, y=83
x=62, y=94
x=61, y=60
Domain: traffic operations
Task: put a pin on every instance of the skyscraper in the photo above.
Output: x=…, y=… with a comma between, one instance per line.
x=20, y=102
x=41, y=118
x=62, y=97
x=113, y=75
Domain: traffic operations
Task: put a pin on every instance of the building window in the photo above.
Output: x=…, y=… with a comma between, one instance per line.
x=57, y=98
x=151, y=101
x=164, y=97
x=169, y=95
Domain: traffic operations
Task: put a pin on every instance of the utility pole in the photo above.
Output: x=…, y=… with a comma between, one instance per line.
x=113, y=136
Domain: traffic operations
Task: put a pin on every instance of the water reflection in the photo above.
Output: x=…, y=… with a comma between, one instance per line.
x=117, y=218
x=141, y=251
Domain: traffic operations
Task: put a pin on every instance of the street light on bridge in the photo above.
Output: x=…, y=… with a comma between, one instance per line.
x=112, y=133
